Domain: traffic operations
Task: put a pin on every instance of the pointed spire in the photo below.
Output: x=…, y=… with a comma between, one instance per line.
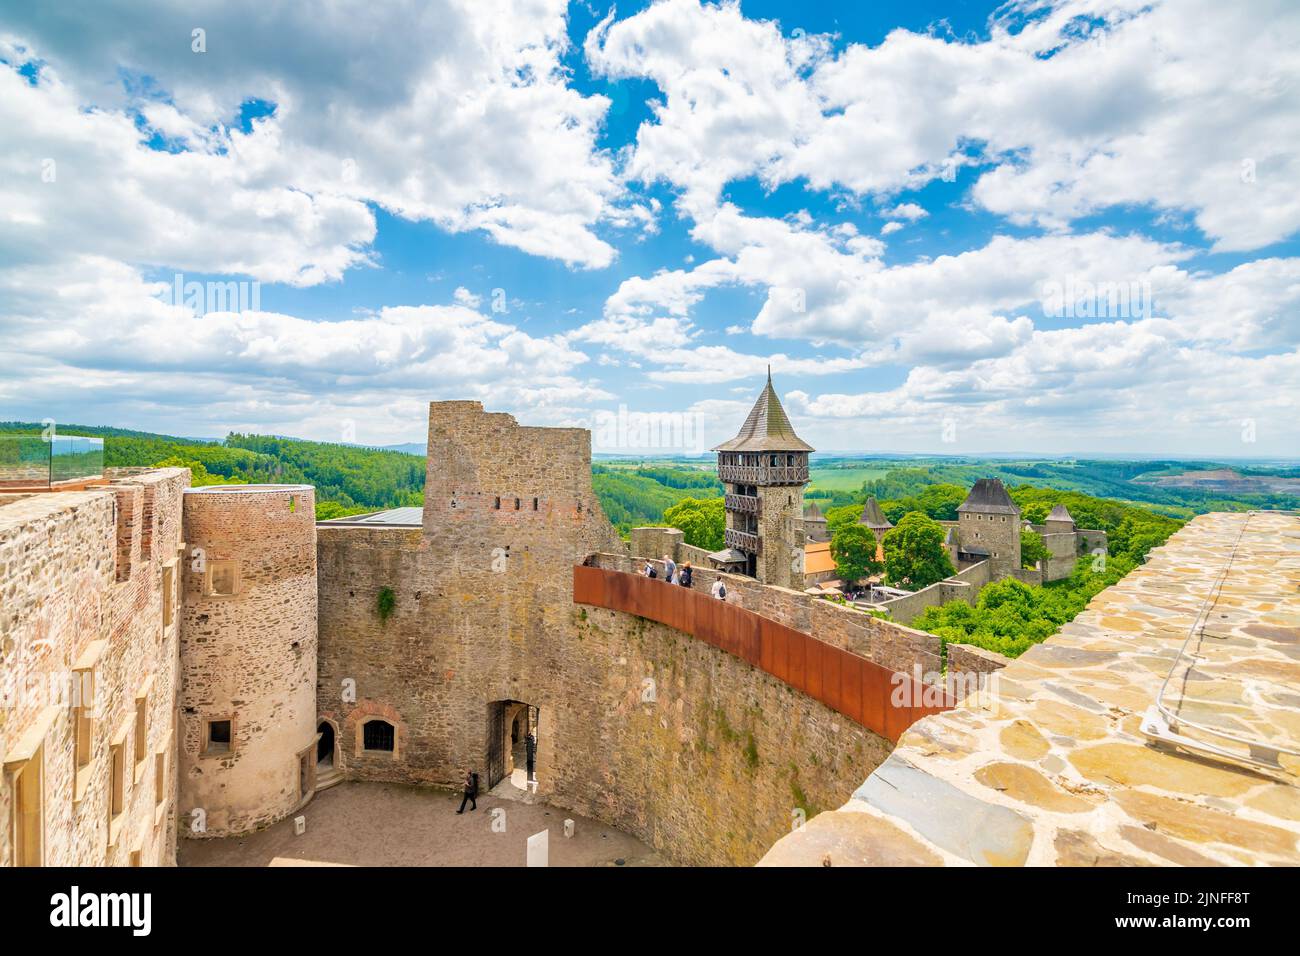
x=1060, y=513
x=988, y=496
x=767, y=428
x=873, y=517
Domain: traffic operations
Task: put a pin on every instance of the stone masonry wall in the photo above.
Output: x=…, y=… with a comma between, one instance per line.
x=77, y=584
x=965, y=586
x=708, y=762
x=249, y=657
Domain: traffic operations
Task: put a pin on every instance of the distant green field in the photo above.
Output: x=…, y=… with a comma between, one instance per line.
x=850, y=478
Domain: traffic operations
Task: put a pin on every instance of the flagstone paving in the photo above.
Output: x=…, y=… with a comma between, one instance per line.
x=1050, y=767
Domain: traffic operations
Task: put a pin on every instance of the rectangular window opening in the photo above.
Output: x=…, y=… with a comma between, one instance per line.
x=218, y=737
x=378, y=735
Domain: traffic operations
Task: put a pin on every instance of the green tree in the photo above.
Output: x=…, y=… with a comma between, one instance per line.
x=914, y=552
x=199, y=475
x=1032, y=549
x=700, y=519
x=854, y=549
x=1010, y=617
x=842, y=517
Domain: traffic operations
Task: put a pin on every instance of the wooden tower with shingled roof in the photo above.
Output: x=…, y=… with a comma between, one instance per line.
x=764, y=469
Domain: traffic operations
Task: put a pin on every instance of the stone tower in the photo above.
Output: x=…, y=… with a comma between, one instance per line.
x=765, y=469
x=988, y=523
x=875, y=519
x=1059, y=521
x=247, y=727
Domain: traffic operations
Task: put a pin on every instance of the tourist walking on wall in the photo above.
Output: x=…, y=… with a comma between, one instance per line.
x=470, y=795
x=670, y=570
x=649, y=569
x=719, y=590
x=684, y=575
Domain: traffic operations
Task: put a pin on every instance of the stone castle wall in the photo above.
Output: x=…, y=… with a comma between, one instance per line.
x=647, y=729
x=81, y=593
x=998, y=534
x=248, y=657
x=1065, y=545
x=965, y=586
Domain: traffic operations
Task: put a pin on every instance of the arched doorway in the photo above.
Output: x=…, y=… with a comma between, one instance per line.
x=325, y=746
x=512, y=744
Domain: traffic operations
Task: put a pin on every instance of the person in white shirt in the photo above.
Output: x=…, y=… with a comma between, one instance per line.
x=670, y=570
x=719, y=590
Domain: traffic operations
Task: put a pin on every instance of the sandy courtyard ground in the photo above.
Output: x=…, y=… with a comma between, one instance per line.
x=385, y=824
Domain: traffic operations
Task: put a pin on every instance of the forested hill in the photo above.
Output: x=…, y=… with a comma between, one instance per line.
x=348, y=479
x=637, y=495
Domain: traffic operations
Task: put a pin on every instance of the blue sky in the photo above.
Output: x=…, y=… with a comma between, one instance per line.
x=562, y=210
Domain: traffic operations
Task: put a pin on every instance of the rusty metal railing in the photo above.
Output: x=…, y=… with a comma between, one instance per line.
x=882, y=700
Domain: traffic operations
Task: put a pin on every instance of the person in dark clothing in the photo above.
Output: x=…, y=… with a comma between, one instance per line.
x=471, y=792
x=684, y=575
x=530, y=745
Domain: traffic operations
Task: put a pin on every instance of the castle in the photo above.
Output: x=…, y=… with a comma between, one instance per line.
x=764, y=470
x=196, y=663
x=201, y=662
x=984, y=545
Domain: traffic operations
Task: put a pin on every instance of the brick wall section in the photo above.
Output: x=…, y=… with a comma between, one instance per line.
x=60, y=559
x=130, y=504
x=250, y=657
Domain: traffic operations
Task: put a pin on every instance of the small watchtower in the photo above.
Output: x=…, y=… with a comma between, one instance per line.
x=988, y=524
x=765, y=470
x=1059, y=521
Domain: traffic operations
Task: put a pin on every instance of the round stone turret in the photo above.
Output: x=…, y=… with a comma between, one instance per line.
x=248, y=657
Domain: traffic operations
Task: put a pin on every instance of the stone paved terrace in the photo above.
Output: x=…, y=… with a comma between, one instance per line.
x=1052, y=767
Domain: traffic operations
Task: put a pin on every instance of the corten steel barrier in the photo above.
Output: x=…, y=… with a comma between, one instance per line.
x=860, y=689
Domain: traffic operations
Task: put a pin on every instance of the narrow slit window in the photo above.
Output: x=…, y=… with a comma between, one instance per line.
x=168, y=593
x=141, y=730
x=117, y=781
x=159, y=778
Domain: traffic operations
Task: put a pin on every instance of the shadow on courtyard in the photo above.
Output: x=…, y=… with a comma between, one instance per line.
x=386, y=824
